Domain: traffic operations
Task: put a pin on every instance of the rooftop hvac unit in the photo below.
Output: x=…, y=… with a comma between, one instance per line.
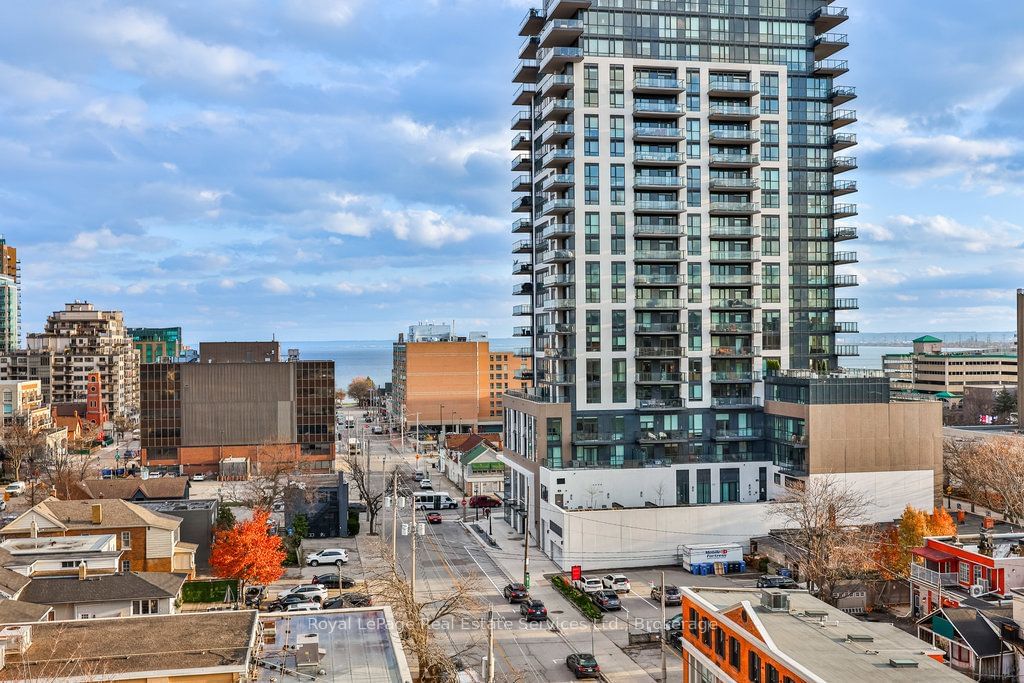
x=977, y=590
x=775, y=601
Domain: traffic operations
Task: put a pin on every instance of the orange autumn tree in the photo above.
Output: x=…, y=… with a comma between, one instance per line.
x=893, y=550
x=248, y=553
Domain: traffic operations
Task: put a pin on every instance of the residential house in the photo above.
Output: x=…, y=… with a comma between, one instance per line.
x=149, y=541
x=17, y=612
x=133, y=489
x=198, y=518
x=12, y=583
x=970, y=636
x=106, y=595
x=60, y=555
x=456, y=446
x=481, y=470
x=212, y=647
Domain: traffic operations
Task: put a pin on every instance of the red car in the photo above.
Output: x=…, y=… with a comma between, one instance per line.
x=434, y=517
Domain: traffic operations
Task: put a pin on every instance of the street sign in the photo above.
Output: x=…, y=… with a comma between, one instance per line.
x=463, y=502
x=577, y=572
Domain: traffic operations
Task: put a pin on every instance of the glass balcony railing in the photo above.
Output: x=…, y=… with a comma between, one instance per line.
x=659, y=377
x=734, y=110
x=660, y=403
x=645, y=180
x=735, y=159
x=669, y=206
x=659, y=157
x=735, y=402
x=657, y=83
x=660, y=328
x=641, y=107
x=658, y=255
x=658, y=303
x=734, y=136
x=735, y=255
x=737, y=87
x=658, y=352
x=645, y=229
x=734, y=207
x=736, y=376
x=659, y=279
x=734, y=183
x=657, y=132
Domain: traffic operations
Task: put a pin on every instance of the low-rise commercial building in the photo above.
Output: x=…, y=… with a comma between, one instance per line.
x=928, y=369
x=239, y=401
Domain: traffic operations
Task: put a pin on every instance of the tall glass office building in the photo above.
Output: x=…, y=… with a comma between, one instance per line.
x=680, y=200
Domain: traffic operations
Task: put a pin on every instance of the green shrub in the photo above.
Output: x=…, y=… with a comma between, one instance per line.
x=578, y=598
x=208, y=591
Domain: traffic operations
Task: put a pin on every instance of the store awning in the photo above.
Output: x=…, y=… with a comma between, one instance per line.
x=932, y=554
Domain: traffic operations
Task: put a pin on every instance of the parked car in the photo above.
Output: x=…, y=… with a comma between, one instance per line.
x=303, y=607
x=15, y=488
x=673, y=596
x=674, y=625
x=484, y=502
x=434, y=517
x=676, y=640
x=377, y=429
x=281, y=603
x=607, y=600
x=346, y=600
x=617, y=582
x=357, y=507
x=775, y=581
x=338, y=556
x=418, y=476
x=198, y=477
x=333, y=581
x=515, y=592
x=533, y=610
x=314, y=591
x=254, y=595
x=426, y=485
x=588, y=584
x=583, y=665
x=3, y=505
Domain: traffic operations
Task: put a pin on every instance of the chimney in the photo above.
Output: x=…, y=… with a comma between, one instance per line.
x=989, y=523
x=33, y=530
x=83, y=572
x=97, y=513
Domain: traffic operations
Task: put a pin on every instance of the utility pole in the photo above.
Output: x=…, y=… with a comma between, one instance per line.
x=415, y=533
x=394, y=521
x=490, y=646
x=526, y=542
x=664, y=660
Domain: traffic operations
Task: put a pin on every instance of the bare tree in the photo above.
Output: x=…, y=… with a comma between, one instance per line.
x=822, y=525
x=276, y=473
x=372, y=492
x=63, y=470
x=123, y=424
x=988, y=472
x=20, y=442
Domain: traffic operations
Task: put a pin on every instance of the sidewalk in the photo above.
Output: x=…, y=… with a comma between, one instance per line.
x=616, y=665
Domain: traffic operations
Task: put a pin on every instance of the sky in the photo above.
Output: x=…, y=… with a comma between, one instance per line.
x=339, y=169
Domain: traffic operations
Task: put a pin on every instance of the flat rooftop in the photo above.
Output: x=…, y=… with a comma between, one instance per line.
x=170, y=506
x=818, y=637
x=56, y=545
x=1004, y=546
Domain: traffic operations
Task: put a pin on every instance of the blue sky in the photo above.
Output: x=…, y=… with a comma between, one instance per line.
x=336, y=169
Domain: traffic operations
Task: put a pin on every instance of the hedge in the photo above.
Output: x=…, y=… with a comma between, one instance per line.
x=579, y=598
x=208, y=591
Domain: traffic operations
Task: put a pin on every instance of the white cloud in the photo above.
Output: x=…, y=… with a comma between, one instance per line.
x=276, y=285
x=22, y=85
x=330, y=12
x=117, y=111
x=106, y=239
x=358, y=288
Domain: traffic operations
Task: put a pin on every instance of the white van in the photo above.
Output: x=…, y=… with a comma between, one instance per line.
x=432, y=500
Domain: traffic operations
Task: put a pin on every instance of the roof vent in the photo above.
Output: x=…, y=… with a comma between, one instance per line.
x=903, y=663
x=860, y=638
x=775, y=601
x=816, y=613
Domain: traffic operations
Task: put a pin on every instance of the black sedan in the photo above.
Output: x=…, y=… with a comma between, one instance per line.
x=516, y=592
x=533, y=610
x=333, y=581
x=281, y=604
x=673, y=596
x=348, y=600
x=607, y=600
x=583, y=665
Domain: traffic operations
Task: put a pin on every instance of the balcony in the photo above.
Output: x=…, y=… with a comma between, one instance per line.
x=554, y=59
x=737, y=434
x=658, y=159
x=732, y=112
x=845, y=328
x=644, y=206
x=844, y=210
x=841, y=141
x=557, y=378
x=841, y=187
x=559, y=328
x=831, y=67
x=660, y=404
x=658, y=352
x=657, y=304
x=523, y=288
x=521, y=143
x=844, y=281
x=555, y=84
x=659, y=280
x=734, y=137
x=734, y=280
x=657, y=133
x=556, y=133
x=735, y=351
x=558, y=207
x=827, y=18
x=734, y=328
x=522, y=162
x=533, y=23
x=672, y=110
x=556, y=109
x=522, y=268
x=559, y=304
x=561, y=9
x=734, y=304
x=658, y=255
x=843, y=117
x=735, y=402
x=560, y=280
x=557, y=158
x=558, y=182
x=847, y=350
x=733, y=160
x=523, y=205
x=524, y=95
x=522, y=225
x=522, y=183
x=660, y=328
x=734, y=231
x=737, y=184
x=827, y=44
x=528, y=49
x=657, y=230
x=526, y=71
x=841, y=94
x=922, y=574
x=844, y=232
x=845, y=305
x=524, y=351
x=843, y=164
x=645, y=180
x=523, y=247
x=659, y=378
x=557, y=256
x=727, y=88
x=734, y=256
x=522, y=309
x=522, y=331
x=521, y=120
x=558, y=231
x=594, y=437
x=844, y=257
x=560, y=353
x=735, y=377
x=733, y=208
x=668, y=436
x=657, y=84
x=560, y=32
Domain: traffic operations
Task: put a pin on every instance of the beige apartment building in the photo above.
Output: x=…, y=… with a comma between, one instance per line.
x=75, y=342
x=946, y=374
